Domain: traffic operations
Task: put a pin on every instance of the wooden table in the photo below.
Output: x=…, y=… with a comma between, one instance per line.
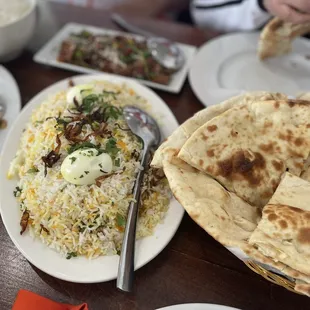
x=193, y=268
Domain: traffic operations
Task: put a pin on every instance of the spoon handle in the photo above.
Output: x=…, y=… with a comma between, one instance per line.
x=120, y=21
x=126, y=263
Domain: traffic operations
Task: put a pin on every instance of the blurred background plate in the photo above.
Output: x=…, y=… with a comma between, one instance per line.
x=229, y=65
x=197, y=307
x=49, y=52
x=10, y=95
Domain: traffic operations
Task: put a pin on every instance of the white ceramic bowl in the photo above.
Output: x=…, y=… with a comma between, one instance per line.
x=14, y=36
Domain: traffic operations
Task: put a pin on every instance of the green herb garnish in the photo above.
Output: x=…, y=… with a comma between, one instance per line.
x=120, y=220
x=88, y=103
x=17, y=191
x=71, y=254
x=73, y=159
x=113, y=112
x=33, y=170
x=117, y=162
x=110, y=93
x=111, y=147
x=83, y=145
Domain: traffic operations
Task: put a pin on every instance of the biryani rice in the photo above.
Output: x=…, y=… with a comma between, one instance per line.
x=87, y=219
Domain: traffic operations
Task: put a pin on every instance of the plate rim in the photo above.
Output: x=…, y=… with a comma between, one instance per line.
x=204, y=96
x=9, y=78
x=30, y=106
x=200, y=305
x=52, y=43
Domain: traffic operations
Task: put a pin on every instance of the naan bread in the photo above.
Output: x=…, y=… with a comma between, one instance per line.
x=283, y=234
x=303, y=288
x=277, y=36
x=225, y=216
x=277, y=267
x=248, y=148
x=303, y=96
x=302, y=281
x=173, y=144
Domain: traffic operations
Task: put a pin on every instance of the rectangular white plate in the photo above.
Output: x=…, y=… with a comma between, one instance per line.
x=49, y=52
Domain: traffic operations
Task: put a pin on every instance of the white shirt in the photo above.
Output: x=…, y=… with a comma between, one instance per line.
x=228, y=15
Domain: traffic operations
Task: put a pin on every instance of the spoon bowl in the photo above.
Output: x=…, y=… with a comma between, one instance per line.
x=168, y=54
x=142, y=125
x=165, y=52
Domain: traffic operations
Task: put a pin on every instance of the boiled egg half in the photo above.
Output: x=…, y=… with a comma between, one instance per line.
x=84, y=166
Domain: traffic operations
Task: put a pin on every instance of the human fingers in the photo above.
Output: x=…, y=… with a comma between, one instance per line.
x=290, y=14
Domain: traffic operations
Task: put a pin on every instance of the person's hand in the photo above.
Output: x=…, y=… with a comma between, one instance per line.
x=294, y=11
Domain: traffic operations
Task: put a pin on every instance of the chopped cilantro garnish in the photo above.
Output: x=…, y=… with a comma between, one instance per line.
x=83, y=145
x=33, y=170
x=117, y=162
x=17, y=191
x=71, y=254
x=113, y=112
x=111, y=147
x=120, y=220
x=73, y=159
x=110, y=93
x=88, y=103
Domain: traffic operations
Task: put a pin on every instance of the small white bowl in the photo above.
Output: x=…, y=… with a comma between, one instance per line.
x=15, y=35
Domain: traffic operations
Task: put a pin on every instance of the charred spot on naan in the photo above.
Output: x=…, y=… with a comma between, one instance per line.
x=278, y=165
x=303, y=236
x=244, y=164
x=212, y=128
x=210, y=153
x=204, y=137
x=299, y=141
x=297, y=102
x=267, y=148
x=234, y=133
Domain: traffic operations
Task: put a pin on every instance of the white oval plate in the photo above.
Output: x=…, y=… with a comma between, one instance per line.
x=197, y=307
x=81, y=270
x=10, y=95
x=229, y=65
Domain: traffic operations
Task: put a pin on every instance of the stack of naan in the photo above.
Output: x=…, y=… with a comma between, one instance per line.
x=241, y=170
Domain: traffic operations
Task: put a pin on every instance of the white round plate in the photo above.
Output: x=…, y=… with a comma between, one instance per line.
x=81, y=270
x=9, y=94
x=197, y=307
x=229, y=65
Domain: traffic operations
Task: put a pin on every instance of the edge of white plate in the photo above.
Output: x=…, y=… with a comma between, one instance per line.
x=8, y=77
x=197, y=306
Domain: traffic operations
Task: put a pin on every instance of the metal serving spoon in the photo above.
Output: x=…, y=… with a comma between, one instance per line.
x=145, y=127
x=167, y=53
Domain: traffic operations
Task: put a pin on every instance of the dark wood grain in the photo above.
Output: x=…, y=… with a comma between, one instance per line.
x=192, y=268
